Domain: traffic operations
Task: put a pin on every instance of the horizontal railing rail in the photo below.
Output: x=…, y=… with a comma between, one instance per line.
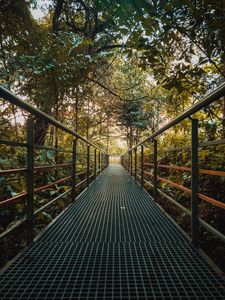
x=82, y=167
x=135, y=162
x=187, y=169
x=189, y=191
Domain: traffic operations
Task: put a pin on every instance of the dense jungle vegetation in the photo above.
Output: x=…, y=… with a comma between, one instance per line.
x=115, y=72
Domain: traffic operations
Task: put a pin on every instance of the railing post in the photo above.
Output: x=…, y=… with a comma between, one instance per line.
x=74, y=171
x=142, y=165
x=135, y=163
x=122, y=160
x=104, y=161
x=131, y=163
x=194, y=182
x=95, y=162
x=88, y=165
x=30, y=181
x=99, y=161
x=155, y=163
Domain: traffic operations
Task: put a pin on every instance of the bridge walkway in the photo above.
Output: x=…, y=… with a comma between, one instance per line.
x=113, y=242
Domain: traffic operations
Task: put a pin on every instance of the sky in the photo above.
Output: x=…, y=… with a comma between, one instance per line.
x=39, y=13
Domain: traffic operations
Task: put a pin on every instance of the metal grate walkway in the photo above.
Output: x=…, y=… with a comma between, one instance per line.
x=113, y=243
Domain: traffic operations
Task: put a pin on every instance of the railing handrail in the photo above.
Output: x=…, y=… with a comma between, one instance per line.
x=13, y=99
x=127, y=162
x=208, y=99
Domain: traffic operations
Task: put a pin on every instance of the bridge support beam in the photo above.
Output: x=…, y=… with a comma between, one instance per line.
x=194, y=182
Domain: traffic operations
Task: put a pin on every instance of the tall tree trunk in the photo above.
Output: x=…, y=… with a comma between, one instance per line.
x=56, y=15
x=40, y=130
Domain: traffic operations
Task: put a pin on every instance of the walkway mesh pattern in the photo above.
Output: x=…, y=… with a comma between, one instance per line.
x=113, y=243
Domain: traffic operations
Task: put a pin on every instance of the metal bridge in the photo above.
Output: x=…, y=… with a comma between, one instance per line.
x=113, y=241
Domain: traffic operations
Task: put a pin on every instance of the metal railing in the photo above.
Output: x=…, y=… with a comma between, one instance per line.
x=130, y=161
x=94, y=160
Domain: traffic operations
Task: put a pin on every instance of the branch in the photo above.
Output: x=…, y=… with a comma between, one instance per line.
x=106, y=88
x=108, y=47
x=114, y=94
